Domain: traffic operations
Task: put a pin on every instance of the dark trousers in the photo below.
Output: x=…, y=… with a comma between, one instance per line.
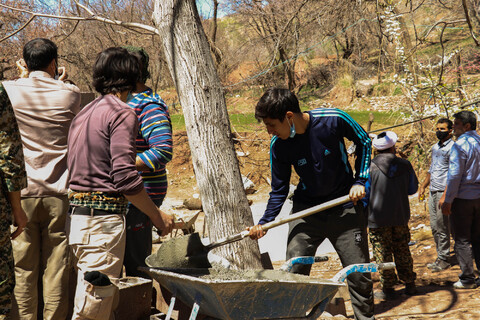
x=465, y=220
x=138, y=241
x=390, y=242
x=346, y=230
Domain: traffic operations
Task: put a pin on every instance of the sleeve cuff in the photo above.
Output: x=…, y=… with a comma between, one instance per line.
x=360, y=181
x=264, y=220
x=16, y=184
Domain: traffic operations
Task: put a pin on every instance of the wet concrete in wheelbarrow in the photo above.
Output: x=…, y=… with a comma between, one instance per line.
x=220, y=273
x=188, y=252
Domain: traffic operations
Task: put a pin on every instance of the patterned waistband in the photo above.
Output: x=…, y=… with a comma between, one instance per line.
x=114, y=202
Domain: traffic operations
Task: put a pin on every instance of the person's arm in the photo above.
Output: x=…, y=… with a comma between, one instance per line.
x=12, y=166
x=351, y=130
x=22, y=68
x=124, y=175
x=160, y=219
x=423, y=186
x=412, y=181
x=19, y=216
x=456, y=169
x=281, y=172
x=156, y=130
x=445, y=207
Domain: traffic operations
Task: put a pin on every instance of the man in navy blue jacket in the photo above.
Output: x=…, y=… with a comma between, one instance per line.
x=313, y=143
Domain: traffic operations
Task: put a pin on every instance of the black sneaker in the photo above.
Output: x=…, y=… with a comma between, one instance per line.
x=440, y=266
x=411, y=289
x=385, y=294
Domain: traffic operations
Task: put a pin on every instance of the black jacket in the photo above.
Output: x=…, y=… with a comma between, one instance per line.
x=391, y=180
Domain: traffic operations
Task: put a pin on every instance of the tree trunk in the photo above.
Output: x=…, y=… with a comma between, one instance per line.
x=208, y=128
x=407, y=44
x=214, y=22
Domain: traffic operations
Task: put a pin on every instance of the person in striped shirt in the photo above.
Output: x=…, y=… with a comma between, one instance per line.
x=313, y=143
x=154, y=151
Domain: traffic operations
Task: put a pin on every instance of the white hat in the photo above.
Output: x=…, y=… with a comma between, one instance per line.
x=385, y=140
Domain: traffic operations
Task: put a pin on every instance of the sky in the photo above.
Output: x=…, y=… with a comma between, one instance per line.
x=205, y=8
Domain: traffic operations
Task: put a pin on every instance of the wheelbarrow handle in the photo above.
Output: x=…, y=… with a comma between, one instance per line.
x=288, y=265
x=362, y=268
x=307, y=212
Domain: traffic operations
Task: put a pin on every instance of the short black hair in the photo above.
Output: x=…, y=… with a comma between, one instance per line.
x=39, y=53
x=115, y=70
x=467, y=117
x=447, y=121
x=275, y=103
x=143, y=58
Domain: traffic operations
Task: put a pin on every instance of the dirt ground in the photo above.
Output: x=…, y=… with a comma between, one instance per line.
x=436, y=298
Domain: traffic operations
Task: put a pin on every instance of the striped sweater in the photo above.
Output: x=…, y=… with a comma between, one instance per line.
x=154, y=140
x=320, y=159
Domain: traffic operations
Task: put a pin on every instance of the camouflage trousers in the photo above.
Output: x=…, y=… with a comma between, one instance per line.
x=391, y=243
x=7, y=273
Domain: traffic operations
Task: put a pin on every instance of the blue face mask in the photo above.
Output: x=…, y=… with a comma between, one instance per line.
x=292, y=130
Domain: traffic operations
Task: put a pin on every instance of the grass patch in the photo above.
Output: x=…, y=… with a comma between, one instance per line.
x=246, y=122
x=386, y=88
x=178, y=122
x=398, y=91
x=346, y=81
x=239, y=121
x=381, y=119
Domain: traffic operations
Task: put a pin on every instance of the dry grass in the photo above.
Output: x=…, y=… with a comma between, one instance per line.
x=422, y=234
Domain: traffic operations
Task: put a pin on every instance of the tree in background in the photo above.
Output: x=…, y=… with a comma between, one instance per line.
x=280, y=26
x=201, y=95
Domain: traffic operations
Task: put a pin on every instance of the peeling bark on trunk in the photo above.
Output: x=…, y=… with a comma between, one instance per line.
x=202, y=98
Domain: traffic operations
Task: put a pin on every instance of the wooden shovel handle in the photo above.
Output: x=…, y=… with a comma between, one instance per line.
x=307, y=212
x=276, y=223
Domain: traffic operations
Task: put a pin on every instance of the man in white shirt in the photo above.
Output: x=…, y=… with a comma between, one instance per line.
x=461, y=199
x=44, y=107
x=437, y=179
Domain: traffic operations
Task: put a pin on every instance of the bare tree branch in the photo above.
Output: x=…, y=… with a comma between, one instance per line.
x=93, y=17
x=18, y=30
x=285, y=28
x=469, y=22
x=71, y=32
x=442, y=22
x=444, y=5
x=443, y=55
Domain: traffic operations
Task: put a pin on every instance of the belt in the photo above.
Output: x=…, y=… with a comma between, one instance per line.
x=86, y=211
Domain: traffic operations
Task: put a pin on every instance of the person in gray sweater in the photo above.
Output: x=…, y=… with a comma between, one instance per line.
x=392, y=180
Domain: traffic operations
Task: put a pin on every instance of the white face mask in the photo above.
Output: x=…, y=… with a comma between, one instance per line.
x=293, y=132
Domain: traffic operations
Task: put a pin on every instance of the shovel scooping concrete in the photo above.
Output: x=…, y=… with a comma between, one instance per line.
x=189, y=252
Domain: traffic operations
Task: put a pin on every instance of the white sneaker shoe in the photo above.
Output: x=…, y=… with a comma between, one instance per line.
x=460, y=285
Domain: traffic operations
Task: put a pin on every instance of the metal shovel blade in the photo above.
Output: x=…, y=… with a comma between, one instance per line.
x=189, y=252
x=183, y=252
